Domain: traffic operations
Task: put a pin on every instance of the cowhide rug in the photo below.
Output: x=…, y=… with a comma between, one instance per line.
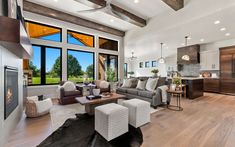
x=79, y=132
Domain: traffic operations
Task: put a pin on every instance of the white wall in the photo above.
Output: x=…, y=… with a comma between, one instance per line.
x=51, y=90
x=6, y=126
x=217, y=45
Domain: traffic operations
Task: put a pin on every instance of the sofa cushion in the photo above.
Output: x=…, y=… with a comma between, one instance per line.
x=151, y=84
x=104, y=84
x=121, y=89
x=132, y=91
x=72, y=93
x=161, y=81
x=147, y=94
x=141, y=85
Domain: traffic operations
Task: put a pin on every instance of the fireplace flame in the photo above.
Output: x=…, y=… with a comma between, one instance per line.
x=9, y=96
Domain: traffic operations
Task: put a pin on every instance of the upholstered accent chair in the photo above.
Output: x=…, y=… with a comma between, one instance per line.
x=36, y=108
x=68, y=96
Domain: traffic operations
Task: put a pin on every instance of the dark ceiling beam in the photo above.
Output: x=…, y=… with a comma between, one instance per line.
x=175, y=4
x=48, y=12
x=126, y=16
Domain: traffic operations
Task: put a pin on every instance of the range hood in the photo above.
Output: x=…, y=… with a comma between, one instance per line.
x=188, y=55
x=13, y=37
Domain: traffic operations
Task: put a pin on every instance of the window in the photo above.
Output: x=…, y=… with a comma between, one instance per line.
x=80, y=39
x=45, y=65
x=147, y=64
x=125, y=70
x=154, y=63
x=80, y=66
x=141, y=65
x=45, y=32
x=108, y=67
x=108, y=44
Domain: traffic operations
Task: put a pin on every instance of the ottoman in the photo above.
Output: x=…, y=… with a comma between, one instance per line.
x=139, y=112
x=111, y=120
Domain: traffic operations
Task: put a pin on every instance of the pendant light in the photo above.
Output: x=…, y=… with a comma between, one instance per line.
x=132, y=58
x=161, y=60
x=186, y=57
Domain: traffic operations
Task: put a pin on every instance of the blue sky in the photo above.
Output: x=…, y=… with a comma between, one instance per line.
x=84, y=58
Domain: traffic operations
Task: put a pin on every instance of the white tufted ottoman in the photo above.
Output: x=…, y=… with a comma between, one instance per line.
x=111, y=120
x=139, y=112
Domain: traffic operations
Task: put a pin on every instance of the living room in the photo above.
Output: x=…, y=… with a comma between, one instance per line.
x=144, y=65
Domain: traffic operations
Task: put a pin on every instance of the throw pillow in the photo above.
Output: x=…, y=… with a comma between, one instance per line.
x=40, y=98
x=134, y=82
x=126, y=83
x=151, y=84
x=97, y=83
x=141, y=85
x=104, y=84
x=69, y=86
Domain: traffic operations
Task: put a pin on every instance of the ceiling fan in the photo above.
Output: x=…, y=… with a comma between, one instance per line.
x=107, y=8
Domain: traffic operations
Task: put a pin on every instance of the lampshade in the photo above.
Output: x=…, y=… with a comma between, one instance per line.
x=161, y=60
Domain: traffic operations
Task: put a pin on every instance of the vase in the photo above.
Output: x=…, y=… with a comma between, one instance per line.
x=96, y=92
x=173, y=87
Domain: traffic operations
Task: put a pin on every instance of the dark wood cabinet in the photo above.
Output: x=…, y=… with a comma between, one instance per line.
x=227, y=70
x=211, y=85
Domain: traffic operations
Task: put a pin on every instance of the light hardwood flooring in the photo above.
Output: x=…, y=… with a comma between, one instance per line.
x=208, y=121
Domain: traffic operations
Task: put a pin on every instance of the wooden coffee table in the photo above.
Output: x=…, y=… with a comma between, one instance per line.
x=91, y=104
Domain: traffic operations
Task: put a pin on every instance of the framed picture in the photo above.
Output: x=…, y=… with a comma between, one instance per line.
x=154, y=63
x=141, y=65
x=147, y=64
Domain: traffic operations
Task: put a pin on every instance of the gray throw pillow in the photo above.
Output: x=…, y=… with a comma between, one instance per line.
x=141, y=85
x=134, y=82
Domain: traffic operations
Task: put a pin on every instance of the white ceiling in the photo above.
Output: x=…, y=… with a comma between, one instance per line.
x=196, y=19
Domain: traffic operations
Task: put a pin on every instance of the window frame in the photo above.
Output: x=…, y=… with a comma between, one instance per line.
x=126, y=73
x=55, y=27
x=155, y=63
x=83, y=52
x=108, y=55
x=43, y=64
x=147, y=64
x=82, y=34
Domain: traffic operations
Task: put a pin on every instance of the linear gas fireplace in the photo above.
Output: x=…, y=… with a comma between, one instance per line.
x=10, y=90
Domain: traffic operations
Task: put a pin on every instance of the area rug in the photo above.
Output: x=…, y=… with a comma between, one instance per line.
x=60, y=113
x=79, y=132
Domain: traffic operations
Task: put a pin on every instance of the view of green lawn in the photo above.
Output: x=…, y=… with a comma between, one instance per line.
x=36, y=80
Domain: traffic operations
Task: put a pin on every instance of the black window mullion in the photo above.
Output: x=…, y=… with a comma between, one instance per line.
x=43, y=65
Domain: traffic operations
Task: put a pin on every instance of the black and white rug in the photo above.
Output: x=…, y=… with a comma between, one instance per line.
x=79, y=132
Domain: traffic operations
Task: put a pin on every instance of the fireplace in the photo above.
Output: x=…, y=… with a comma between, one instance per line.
x=10, y=90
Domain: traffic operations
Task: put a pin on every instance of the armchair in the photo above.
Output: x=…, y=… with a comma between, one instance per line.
x=68, y=97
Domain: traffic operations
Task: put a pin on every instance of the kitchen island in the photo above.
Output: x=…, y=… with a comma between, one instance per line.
x=194, y=86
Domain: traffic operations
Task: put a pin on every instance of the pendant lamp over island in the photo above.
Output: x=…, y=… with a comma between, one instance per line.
x=161, y=60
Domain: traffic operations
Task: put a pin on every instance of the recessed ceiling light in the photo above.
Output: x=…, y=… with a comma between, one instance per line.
x=136, y=1
x=56, y=0
x=111, y=20
x=202, y=40
x=227, y=34
x=217, y=22
x=222, y=29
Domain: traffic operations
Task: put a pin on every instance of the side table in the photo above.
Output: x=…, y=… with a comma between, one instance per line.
x=178, y=98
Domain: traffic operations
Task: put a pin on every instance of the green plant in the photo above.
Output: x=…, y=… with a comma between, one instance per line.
x=176, y=81
x=111, y=76
x=155, y=71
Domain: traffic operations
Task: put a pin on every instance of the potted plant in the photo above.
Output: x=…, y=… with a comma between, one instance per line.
x=155, y=72
x=177, y=82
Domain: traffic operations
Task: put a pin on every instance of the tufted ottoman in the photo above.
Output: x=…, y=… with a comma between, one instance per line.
x=111, y=120
x=139, y=112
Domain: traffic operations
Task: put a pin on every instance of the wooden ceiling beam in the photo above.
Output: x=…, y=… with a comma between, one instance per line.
x=126, y=15
x=175, y=4
x=52, y=13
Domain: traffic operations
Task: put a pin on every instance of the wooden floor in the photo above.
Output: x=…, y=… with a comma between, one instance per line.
x=208, y=121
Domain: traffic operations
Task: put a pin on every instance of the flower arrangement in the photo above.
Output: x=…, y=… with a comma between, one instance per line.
x=176, y=81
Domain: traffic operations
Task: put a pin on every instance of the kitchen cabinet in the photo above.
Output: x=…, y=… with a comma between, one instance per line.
x=210, y=60
x=211, y=85
x=227, y=72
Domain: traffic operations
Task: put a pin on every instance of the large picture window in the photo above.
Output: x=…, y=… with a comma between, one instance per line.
x=45, y=65
x=80, y=66
x=108, y=67
x=45, y=32
x=108, y=44
x=80, y=39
